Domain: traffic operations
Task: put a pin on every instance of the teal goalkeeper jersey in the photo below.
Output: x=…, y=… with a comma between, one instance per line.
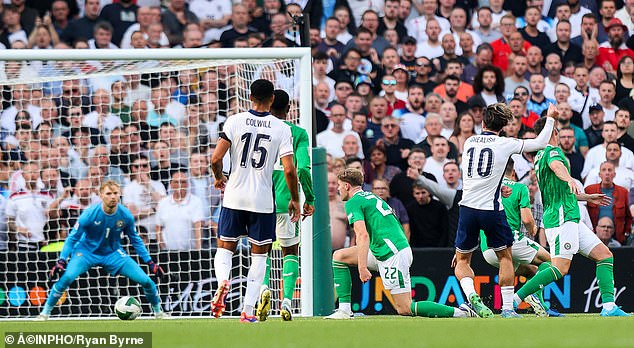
x=302, y=164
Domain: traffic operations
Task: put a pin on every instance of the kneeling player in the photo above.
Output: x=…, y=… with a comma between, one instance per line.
x=381, y=246
x=96, y=241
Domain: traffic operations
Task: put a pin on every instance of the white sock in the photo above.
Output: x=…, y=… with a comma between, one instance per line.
x=254, y=281
x=458, y=313
x=222, y=264
x=345, y=307
x=466, y=284
x=517, y=299
x=507, y=297
x=609, y=305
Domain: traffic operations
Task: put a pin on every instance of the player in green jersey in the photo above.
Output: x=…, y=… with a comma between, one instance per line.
x=286, y=231
x=566, y=236
x=381, y=246
x=527, y=255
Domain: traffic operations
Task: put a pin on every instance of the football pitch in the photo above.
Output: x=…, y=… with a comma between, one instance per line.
x=370, y=331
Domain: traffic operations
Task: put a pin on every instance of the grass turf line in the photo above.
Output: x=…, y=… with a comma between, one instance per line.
x=384, y=331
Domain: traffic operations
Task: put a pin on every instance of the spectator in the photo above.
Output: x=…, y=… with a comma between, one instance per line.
x=484, y=25
x=60, y=15
x=338, y=218
x=213, y=16
x=625, y=79
x=449, y=115
x=433, y=128
x=623, y=176
x=516, y=78
x=434, y=164
x=376, y=166
x=576, y=159
x=142, y=196
x=21, y=100
x=428, y=220
x=175, y=18
x=82, y=28
x=380, y=188
x=396, y=148
x=623, y=122
x=526, y=118
x=332, y=139
x=13, y=29
x=530, y=32
x=596, y=154
x=100, y=158
x=606, y=96
x=346, y=25
x=417, y=27
x=489, y=84
x=605, y=231
x=239, y=26
x=582, y=97
x=535, y=60
x=164, y=168
x=388, y=89
x=565, y=115
x=43, y=37
x=330, y=45
x=463, y=91
x=614, y=49
x=483, y=57
x=349, y=71
x=463, y=130
x=432, y=46
x=423, y=70
x=502, y=48
x=28, y=16
x=27, y=212
x=120, y=15
x=412, y=121
x=391, y=21
x=451, y=174
x=563, y=47
x=101, y=118
x=618, y=211
x=538, y=103
x=152, y=31
x=180, y=217
x=554, y=78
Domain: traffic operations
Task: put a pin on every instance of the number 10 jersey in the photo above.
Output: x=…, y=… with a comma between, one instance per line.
x=258, y=141
x=484, y=160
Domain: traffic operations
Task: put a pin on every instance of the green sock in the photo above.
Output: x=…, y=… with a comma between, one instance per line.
x=343, y=281
x=267, y=273
x=605, y=278
x=431, y=310
x=540, y=293
x=290, y=269
x=541, y=279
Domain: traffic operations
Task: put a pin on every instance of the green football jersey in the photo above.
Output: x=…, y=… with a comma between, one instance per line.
x=302, y=164
x=519, y=198
x=560, y=205
x=386, y=233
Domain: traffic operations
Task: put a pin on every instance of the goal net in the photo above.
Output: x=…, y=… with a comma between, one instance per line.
x=149, y=120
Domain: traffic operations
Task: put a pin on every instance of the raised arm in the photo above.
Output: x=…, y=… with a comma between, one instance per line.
x=445, y=195
x=531, y=145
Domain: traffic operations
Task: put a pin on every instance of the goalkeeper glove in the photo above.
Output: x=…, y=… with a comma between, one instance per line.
x=59, y=268
x=155, y=269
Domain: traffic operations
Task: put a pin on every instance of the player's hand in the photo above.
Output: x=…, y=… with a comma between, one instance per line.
x=506, y=191
x=220, y=182
x=573, y=187
x=454, y=262
x=308, y=210
x=156, y=269
x=364, y=274
x=293, y=210
x=600, y=199
x=532, y=233
x=552, y=112
x=59, y=268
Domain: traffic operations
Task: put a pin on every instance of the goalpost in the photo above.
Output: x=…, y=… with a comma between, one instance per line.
x=86, y=110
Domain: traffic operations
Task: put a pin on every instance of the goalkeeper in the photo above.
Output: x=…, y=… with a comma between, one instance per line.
x=95, y=240
x=286, y=231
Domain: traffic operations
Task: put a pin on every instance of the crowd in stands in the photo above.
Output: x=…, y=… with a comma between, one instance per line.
x=399, y=85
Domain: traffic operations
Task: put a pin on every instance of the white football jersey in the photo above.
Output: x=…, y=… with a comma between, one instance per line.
x=484, y=160
x=258, y=140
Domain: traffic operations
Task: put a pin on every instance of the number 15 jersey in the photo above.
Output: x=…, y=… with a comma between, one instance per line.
x=257, y=140
x=484, y=160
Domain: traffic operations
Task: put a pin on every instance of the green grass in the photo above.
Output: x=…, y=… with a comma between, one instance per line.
x=375, y=331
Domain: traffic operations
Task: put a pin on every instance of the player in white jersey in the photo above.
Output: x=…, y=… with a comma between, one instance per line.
x=483, y=163
x=255, y=140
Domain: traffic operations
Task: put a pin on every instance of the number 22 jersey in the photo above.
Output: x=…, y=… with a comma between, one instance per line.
x=484, y=160
x=257, y=140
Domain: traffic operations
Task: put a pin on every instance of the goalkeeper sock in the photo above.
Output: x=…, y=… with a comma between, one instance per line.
x=52, y=299
x=541, y=279
x=290, y=269
x=267, y=274
x=254, y=280
x=156, y=308
x=343, y=282
x=605, y=280
x=222, y=264
x=466, y=284
x=431, y=310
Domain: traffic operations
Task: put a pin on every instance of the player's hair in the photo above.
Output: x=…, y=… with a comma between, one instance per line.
x=539, y=124
x=496, y=116
x=510, y=165
x=351, y=176
x=113, y=185
x=262, y=90
x=280, y=103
